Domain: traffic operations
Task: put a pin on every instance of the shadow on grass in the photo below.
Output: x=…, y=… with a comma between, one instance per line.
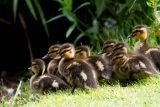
x=124, y=83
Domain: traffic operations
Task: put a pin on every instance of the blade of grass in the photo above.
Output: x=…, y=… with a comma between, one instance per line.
x=15, y=5
x=40, y=11
x=79, y=37
x=23, y=23
x=70, y=30
x=82, y=5
x=55, y=18
x=31, y=8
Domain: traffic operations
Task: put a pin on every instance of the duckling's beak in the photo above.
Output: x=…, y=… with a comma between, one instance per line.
x=29, y=68
x=45, y=56
x=100, y=52
x=58, y=56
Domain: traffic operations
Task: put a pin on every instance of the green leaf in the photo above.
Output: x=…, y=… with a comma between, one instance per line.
x=31, y=9
x=70, y=16
x=100, y=6
x=40, y=11
x=55, y=18
x=82, y=5
x=15, y=5
x=70, y=30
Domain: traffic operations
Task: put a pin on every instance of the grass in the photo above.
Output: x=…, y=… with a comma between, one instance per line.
x=144, y=93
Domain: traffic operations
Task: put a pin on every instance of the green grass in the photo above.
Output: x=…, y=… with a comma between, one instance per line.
x=144, y=93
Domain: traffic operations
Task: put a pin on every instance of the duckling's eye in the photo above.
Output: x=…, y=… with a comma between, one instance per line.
x=53, y=51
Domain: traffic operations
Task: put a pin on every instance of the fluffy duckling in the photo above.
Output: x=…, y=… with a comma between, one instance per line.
x=107, y=48
x=101, y=66
x=52, y=67
x=41, y=82
x=131, y=67
x=77, y=72
x=52, y=51
x=153, y=53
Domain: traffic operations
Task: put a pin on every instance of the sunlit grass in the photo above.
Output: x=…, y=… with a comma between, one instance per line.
x=144, y=93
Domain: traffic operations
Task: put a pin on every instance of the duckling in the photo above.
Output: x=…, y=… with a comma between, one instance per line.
x=107, y=48
x=52, y=51
x=42, y=82
x=121, y=46
x=52, y=67
x=6, y=93
x=131, y=67
x=152, y=52
x=77, y=72
x=101, y=66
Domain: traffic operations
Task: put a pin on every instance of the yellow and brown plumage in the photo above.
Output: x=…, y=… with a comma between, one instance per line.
x=41, y=82
x=143, y=47
x=131, y=66
x=52, y=66
x=107, y=48
x=77, y=72
x=101, y=66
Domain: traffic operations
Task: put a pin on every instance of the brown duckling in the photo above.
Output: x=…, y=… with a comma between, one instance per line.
x=143, y=47
x=107, y=48
x=101, y=66
x=41, y=82
x=131, y=67
x=52, y=66
x=77, y=72
x=52, y=51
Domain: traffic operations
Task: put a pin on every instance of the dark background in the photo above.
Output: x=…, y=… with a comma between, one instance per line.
x=14, y=54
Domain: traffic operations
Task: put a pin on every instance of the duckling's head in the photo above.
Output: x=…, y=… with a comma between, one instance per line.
x=38, y=66
x=120, y=46
x=140, y=32
x=82, y=52
x=66, y=51
x=119, y=58
x=108, y=47
x=52, y=51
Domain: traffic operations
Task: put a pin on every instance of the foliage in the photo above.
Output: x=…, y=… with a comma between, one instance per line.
x=97, y=20
x=106, y=19
x=33, y=6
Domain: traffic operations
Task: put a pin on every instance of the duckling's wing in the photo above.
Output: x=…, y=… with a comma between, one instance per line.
x=101, y=66
x=154, y=55
x=143, y=64
x=52, y=67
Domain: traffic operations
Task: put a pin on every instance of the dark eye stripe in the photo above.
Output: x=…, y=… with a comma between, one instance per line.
x=118, y=57
x=137, y=30
x=64, y=51
x=106, y=47
x=53, y=51
x=118, y=48
x=34, y=64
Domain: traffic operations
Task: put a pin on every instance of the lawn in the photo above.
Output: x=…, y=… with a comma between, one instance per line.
x=144, y=93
